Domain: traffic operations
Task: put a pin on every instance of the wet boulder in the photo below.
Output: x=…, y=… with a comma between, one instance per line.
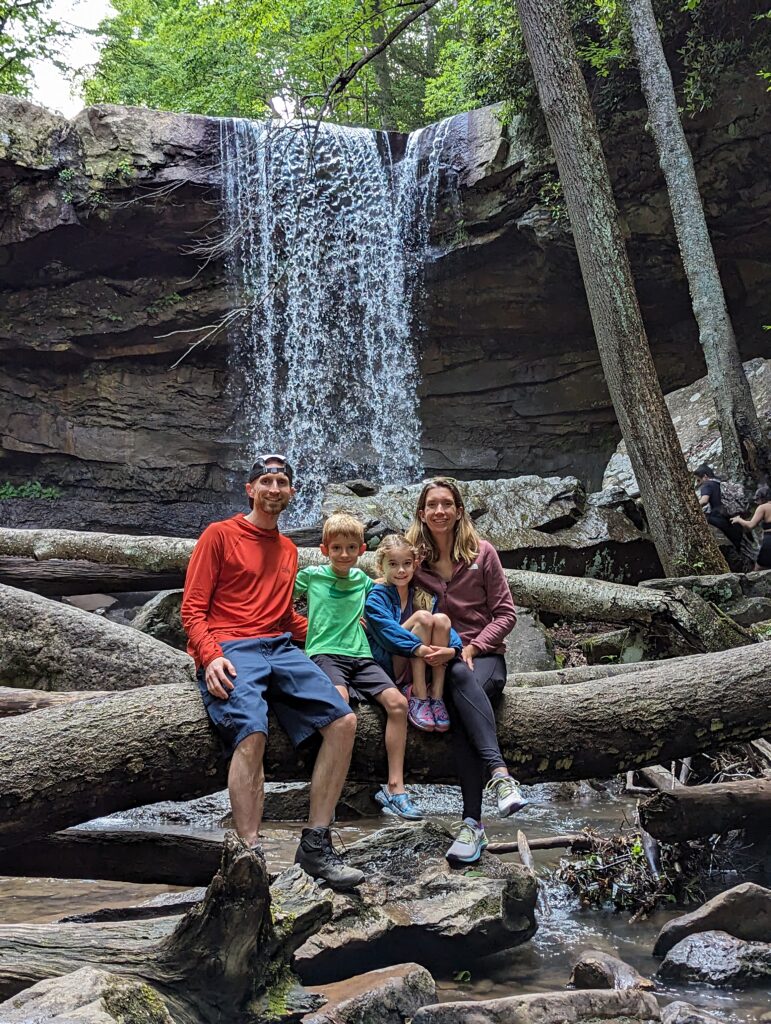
x=595, y=968
x=680, y=1012
x=529, y=646
x=744, y=912
x=717, y=958
x=390, y=995
x=86, y=996
x=160, y=618
x=589, y=1006
x=413, y=905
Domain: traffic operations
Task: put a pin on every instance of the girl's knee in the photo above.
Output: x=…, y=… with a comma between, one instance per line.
x=441, y=620
x=423, y=618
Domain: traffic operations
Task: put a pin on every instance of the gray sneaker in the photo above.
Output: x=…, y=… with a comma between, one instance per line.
x=507, y=794
x=469, y=844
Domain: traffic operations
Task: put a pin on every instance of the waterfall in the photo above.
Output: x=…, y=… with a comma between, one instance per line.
x=324, y=247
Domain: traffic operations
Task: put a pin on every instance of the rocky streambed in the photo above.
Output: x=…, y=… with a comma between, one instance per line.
x=472, y=953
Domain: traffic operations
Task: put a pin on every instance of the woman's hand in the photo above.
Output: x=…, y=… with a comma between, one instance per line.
x=440, y=656
x=468, y=654
x=737, y=519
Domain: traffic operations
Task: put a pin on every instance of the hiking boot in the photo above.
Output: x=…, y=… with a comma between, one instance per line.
x=320, y=860
x=441, y=716
x=507, y=794
x=468, y=846
x=399, y=804
x=419, y=713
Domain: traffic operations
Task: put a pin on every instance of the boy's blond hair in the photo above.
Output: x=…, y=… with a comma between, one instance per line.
x=342, y=524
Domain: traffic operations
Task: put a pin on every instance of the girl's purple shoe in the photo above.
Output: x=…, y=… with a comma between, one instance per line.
x=441, y=716
x=419, y=713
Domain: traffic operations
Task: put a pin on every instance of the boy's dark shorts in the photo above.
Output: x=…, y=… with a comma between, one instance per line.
x=363, y=677
x=272, y=673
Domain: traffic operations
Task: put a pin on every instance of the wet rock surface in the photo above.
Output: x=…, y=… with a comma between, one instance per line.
x=390, y=995
x=719, y=959
x=695, y=420
x=681, y=1012
x=743, y=911
x=595, y=968
x=581, y=1007
x=97, y=223
x=160, y=618
x=534, y=522
x=86, y=996
x=413, y=905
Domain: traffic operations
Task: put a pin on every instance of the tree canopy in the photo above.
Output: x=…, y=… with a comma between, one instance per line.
x=27, y=33
x=235, y=57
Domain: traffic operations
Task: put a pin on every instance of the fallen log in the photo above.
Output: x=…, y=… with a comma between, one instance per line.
x=212, y=964
x=46, y=645
x=58, y=577
x=118, y=855
x=15, y=701
x=65, y=765
x=576, y=841
x=685, y=621
x=688, y=812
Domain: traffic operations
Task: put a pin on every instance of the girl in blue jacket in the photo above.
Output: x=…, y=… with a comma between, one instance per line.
x=407, y=634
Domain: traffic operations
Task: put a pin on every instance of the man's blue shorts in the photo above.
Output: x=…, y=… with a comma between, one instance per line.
x=272, y=673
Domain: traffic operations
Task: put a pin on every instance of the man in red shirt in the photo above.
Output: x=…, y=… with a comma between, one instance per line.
x=240, y=622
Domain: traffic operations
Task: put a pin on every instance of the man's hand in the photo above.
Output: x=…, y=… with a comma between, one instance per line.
x=468, y=654
x=217, y=678
x=440, y=656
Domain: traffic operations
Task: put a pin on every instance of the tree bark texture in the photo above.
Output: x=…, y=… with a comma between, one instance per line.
x=45, y=645
x=679, y=529
x=688, y=812
x=57, y=577
x=65, y=765
x=120, y=855
x=15, y=701
x=208, y=965
x=746, y=454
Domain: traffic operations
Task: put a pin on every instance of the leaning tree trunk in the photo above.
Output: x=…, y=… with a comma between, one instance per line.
x=678, y=527
x=746, y=452
x=217, y=962
x=64, y=765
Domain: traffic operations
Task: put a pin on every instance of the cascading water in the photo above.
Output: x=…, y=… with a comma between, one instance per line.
x=324, y=249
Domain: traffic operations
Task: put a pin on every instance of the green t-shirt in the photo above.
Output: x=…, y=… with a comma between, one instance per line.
x=335, y=606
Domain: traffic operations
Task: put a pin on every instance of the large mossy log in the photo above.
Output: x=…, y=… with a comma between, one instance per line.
x=209, y=965
x=690, y=812
x=45, y=645
x=64, y=765
x=121, y=855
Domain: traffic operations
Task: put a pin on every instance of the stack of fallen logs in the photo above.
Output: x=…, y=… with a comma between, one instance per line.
x=116, y=721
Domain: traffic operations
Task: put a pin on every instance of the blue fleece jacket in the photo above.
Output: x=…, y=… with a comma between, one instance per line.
x=382, y=610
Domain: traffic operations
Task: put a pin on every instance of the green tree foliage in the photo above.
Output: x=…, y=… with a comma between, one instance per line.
x=27, y=33
x=231, y=57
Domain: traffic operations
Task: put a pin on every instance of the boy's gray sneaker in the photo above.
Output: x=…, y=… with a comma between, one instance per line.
x=507, y=794
x=470, y=842
x=320, y=860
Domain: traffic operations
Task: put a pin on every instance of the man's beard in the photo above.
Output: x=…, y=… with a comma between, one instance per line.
x=273, y=506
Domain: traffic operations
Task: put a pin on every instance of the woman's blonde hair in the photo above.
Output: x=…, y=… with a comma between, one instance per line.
x=465, y=545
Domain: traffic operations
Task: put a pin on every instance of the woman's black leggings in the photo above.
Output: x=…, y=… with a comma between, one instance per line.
x=474, y=736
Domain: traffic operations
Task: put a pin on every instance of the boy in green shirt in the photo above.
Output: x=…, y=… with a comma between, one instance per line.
x=337, y=643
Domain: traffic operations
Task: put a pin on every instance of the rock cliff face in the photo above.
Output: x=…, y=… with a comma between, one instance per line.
x=103, y=293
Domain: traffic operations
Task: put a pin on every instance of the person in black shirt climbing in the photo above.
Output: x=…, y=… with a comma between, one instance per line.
x=711, y=501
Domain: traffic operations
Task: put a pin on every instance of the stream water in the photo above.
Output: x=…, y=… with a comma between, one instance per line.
x=543, y=964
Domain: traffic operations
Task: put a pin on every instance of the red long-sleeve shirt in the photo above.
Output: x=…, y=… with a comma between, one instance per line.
x=238, y=586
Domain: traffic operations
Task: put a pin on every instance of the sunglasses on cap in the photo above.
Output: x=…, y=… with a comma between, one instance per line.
x=261, y=469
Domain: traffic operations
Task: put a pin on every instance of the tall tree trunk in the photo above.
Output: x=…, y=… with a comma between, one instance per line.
x=677, y=524
x=746, y=454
